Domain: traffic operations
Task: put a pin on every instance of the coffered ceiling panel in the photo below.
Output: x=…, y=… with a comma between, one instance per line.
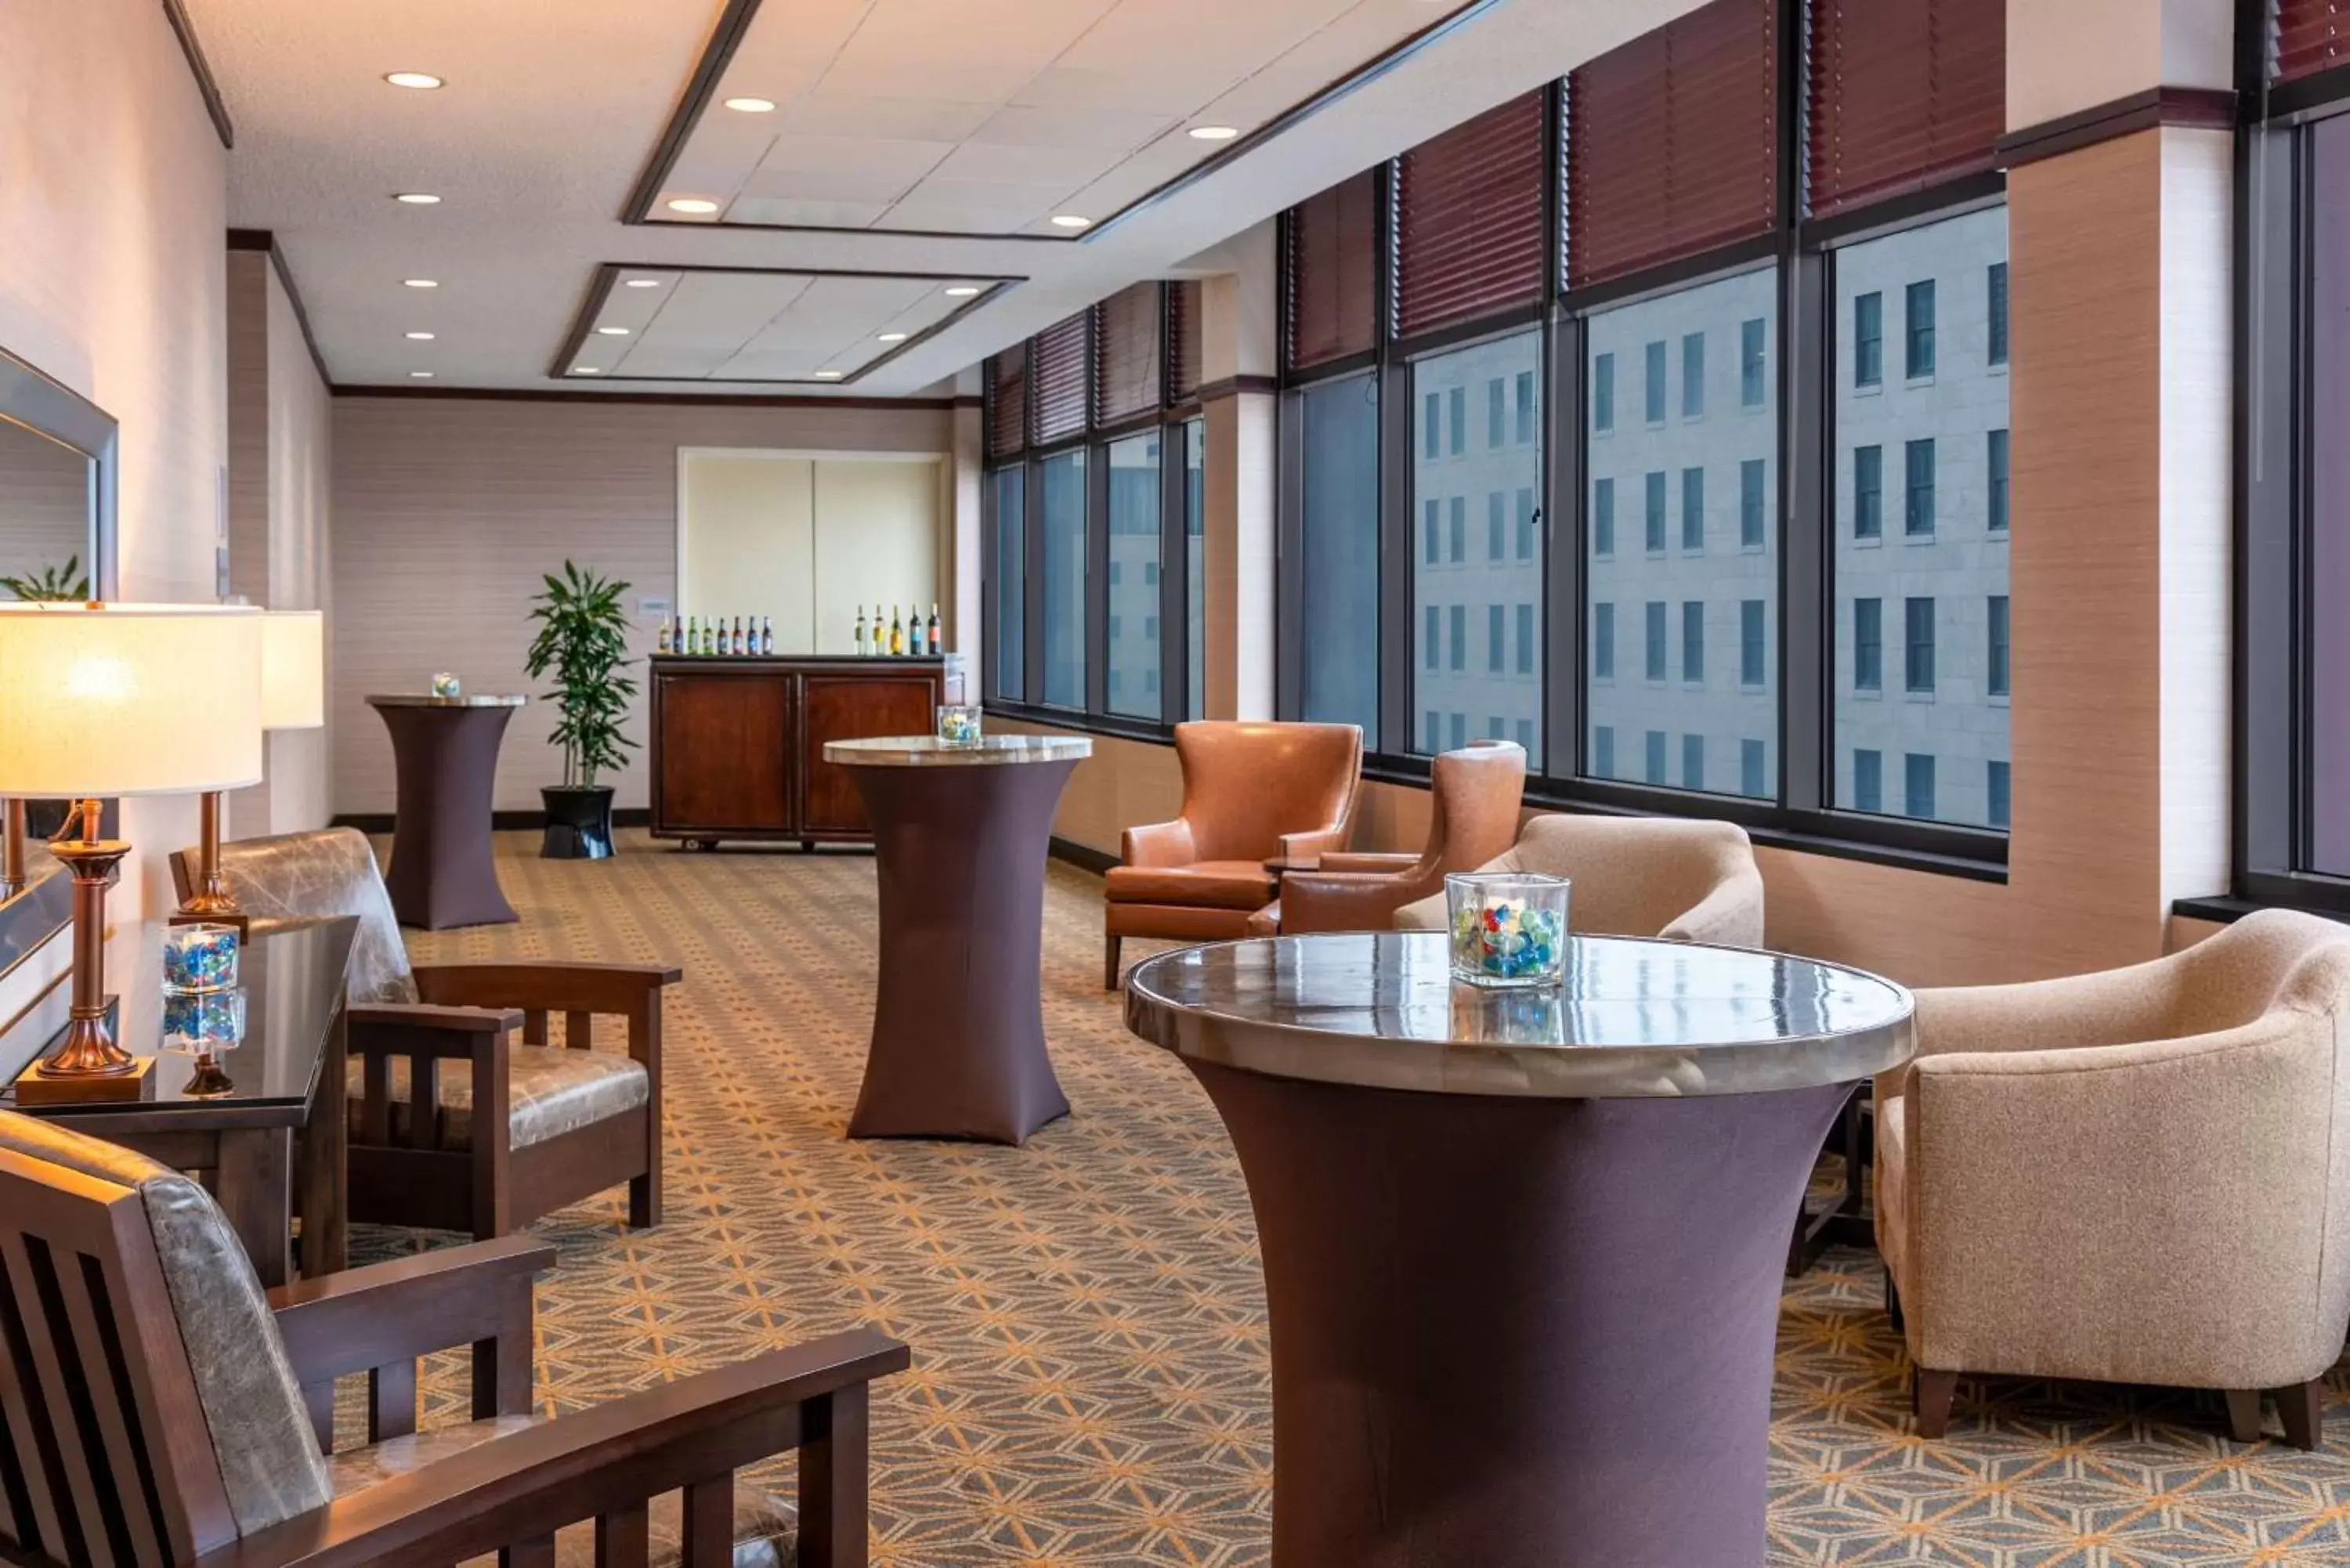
x=1046, y=109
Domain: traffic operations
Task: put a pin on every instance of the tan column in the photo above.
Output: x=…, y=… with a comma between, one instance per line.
x=1238, y=314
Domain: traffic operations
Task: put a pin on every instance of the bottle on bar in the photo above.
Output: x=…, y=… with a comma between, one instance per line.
x=662, y=644
x=860, y=629
x=710, y=636
x=931, y=632
x=693, y=643
x=897, y=633
x=766, y=636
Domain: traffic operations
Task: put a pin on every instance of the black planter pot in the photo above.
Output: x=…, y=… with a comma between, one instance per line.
x=578, y=823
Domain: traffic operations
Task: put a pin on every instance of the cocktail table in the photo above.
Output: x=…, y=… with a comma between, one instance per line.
x=1522, y=1249
x=960, y=836
x=444, y=759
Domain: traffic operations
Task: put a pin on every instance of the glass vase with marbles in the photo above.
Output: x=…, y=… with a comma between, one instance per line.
x=1508, y=929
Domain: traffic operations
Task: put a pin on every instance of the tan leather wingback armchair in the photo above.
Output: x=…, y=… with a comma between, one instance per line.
x=1636, y=876
x=1252, y=792
x=2131, y=1177
x=1475, y=794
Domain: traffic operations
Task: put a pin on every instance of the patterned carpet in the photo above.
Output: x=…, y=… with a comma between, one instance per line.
x=1086, y=1313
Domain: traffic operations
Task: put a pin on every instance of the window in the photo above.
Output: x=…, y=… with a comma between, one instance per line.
x=1918, y=785
x=1868, y=493
x=1526, y=738
x=1995, y=654
x=1679, y=590
x=1867, y=780
x=1459, y=731
x=1499, y=471
x=1655, y=757
x=1008, y=579
x=1752, y=484
x=1331, y=284
x=1134, y=543
x=1752, y=765
x=1692, y=375
x=1603, y=642
x=1995, y=314
x=1469, y=218
x=1431, y=733
x=1603, y=517
x=1692, y=761
x=1753, y=362
x=1195, y=567
x=1525, y=407
x=1338, y=631
x=1869, y=645
x=1868, y=340
x=1526, y=640
x=1432, y=641
x=1432, y=531
x=1918, y=340
x=1064, y=478
x=1431, y=443
x=1654, y=409
x=1918, y=486
x=1603, y=753
x=1995, y=480
x=1918, y=659
x=1526, y=513
x=1457, y=402
x=1942, y=579
x=1603, y=392
x=1995, y=794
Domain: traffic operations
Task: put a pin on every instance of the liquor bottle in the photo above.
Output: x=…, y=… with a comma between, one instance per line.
x=766, y=636
x=897, y=633
x=860, y=630
x=930, y=633
x=693, y=643
x=663, y=645
x=710, y=636
x=735, y=646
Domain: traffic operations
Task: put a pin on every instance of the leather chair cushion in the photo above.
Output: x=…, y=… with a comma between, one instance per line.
x=268, y=1454
x=1207, y=884
x=551, y=1090
x=326, y=872
x=766, y=1529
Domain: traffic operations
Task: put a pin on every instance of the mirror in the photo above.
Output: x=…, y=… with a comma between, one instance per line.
x=57, y=542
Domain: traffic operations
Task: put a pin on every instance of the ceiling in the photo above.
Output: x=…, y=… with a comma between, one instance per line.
x=931, y=110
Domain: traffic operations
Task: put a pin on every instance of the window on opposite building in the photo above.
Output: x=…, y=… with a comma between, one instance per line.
x=1457, y=406
x=1496, y=412
x=1918, y=785
x=1917, y=663
x=1917, y=487
x=1603, y=517
x=1656, y=640
x=1496, y=650
x=1692, y=375
x=1754, y=366
x=1525, y=523
x=1603, y=751
x=1496, y=727
x=1603, y=642
x=1603, y=392
x=1432, y=517
x=1655, y=757
x=1526, y=640
x=1995, y=654
x=1694, y=640
x=1526, y=406
x=1751, y=616
x=1136, y=535
x=1868, y=780
x=1868, y=493
x=1995, y=794
x=1995, y=312
x=1458, y=514
x=1525, y=739
x=1459, y=731
x=1995, y=479
x=1458, y=620
x=1917, y=341
x=1431, y=431
x=1751, y=766
x=1431, y=733
x=1869, y=645
x=1753, y=482
x=1692, y=761
x=1653, y=393
x=1868, y=339
x=1433, y=638
x=1692, y=509
x=1655, y=532
x=1494, y=524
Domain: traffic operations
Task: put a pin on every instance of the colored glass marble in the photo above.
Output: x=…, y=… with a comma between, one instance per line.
x=959, y=723
x=199, y=956
x=1508, y=929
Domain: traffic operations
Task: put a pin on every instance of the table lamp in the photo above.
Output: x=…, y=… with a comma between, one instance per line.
x=119, y=700
x=292, y=697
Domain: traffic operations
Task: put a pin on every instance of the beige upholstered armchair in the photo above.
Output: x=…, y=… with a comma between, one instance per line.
x=2140, y=1176
x=1636, y=876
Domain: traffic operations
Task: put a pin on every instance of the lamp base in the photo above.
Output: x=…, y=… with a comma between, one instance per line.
x=39, y=1086
x=88, y=1050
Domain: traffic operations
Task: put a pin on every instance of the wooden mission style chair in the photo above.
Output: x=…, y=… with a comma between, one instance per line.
x=157, y=1410
x=502, y=1133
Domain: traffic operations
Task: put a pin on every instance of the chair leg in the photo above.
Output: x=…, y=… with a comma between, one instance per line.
x=833, y=1502
x=1930, y=1393
x=1111, y=942
x=2244, y=1413
x=645, y=1200
x=1893, y=1303
x=2303, y=1406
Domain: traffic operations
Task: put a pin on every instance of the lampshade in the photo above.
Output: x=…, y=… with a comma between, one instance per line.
x=123, y=700
x=293, y=669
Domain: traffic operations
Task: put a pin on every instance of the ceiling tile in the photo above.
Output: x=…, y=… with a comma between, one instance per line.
x=895, y=119
x=956, y=204
x=1170, y=89
x=792, y=214
x=1007, y=164
x=1111, y=128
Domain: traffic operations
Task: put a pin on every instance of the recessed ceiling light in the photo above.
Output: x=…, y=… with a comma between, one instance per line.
x=692, y=204
x=828, y=375
x=421, y=80
x=1214, y=132
x=1071, y=221
x=420, y=338
x=644, y=282
x=420, y=282
x=613, y=331
x=585, y=370
x=893, y=337
x=962, y=291
x=751, y=105
x=421, y=375
x=416, y=198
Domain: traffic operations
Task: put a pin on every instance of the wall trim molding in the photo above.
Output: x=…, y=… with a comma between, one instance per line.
x=705, y=400
x=2207, y=108
x=263, y=240
x=1240, y=386
x=207, y=86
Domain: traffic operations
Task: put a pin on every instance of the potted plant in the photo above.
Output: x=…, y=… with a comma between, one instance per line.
x=51, y=584
x=583, y=642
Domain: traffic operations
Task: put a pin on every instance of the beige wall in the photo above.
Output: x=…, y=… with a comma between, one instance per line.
x=447, y=512
x=112, y=212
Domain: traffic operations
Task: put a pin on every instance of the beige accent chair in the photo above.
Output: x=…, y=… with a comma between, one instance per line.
x=1636, y=876
x=2140, y=1175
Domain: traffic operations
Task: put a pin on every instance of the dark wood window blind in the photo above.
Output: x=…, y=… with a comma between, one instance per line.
x=1331, y=287
x=1127, y=354
x=1007, y=402
x=1058, y=379
x=1903, y=94
x=1672, y=141
x=2307, y=37
x=1469, y=219
x=1183, y=341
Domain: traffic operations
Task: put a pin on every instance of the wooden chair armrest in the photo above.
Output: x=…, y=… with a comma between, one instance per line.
x=365, y=1318
x=544, y=984
x=521, y=1488
x=396, y=1018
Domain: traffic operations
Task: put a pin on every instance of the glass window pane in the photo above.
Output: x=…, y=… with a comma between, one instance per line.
x=1064, y=479
x=1338, y=660
x=1008, y=571
x=2326, y=653
x=1688, y=597
x=1130, y=677
x=1480, y=593
x=1922, y=649
x=1195, y=567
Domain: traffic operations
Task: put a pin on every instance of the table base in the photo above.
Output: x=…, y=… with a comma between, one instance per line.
x=958, y=1023
x=1519, y=1333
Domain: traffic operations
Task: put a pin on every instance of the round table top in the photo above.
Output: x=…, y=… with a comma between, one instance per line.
x=426, y=699
x=930, y=752
x=1634, y=1017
